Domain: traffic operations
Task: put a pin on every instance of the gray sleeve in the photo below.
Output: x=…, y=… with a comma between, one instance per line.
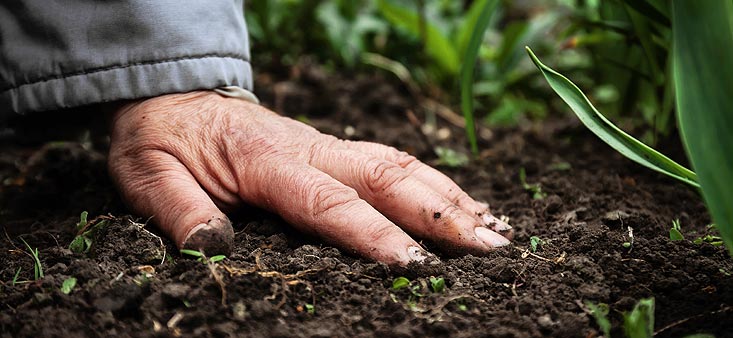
x=62, y=54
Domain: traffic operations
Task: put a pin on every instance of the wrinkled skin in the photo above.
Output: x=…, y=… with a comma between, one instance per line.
x=184, y=159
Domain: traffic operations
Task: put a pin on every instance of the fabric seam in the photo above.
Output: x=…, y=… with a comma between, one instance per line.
x=108, y=68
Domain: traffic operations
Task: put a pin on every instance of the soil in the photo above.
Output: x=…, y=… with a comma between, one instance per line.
x=279, y=283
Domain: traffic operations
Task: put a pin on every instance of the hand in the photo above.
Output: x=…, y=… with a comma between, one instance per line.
x=183, y=158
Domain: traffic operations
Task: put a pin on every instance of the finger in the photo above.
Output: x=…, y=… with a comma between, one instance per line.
x=315, y=203
x=159, y=186
x=407, y=201
x=436, y=180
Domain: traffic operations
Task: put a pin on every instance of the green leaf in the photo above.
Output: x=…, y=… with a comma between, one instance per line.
x=68, y=284
x=400, y=282
x=600, y=313
x=82, y=221
x=310, y=308
x=437, y=44
x=192, y=253
x=469, y=62
x=217, y=258
x=534, y=242
x=77, y=244
x=640, y=322
x=437, y=284
x=624, y=143
x=649, y=11
x=675, y=235
x=702, y=63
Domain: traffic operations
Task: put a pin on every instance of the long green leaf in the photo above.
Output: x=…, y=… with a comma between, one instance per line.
x=703, y=77
x=437, y=44
x=469, y=62
x=607, y=131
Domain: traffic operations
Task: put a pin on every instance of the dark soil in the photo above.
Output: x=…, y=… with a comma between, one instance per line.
x=133, y=284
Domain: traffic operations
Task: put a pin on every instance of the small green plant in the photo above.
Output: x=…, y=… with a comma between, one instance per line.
x=535, y=242
x=437, y=284
x=399, y=283
x=37, y=267
x=67, y=285
x=711, y=237
x=202, y=258
x=15, y=278
x=639, y=323
x=675, y=233
x=310, y=308
x=451, y=158
x=535, y=188
x=600, y=313
x=85, y=232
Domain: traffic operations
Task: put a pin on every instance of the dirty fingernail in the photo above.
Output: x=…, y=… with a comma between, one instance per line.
x=418, y=254
x=213, y=237
x=494, y=223
x=490, y=238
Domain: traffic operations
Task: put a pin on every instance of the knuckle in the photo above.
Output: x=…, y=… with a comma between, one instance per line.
x=379, y=232
x=382, y=175
x=403, y=159
x=329, y=197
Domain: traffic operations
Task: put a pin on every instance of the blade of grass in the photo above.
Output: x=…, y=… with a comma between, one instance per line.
x=608, y=132
x=469, y=62
x=703, y=77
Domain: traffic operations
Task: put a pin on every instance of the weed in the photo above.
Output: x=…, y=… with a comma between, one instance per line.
x=37, y=267
x=535, y=188
x=85, y=232
x=600, y=313
x=310, y=308
x=437, y=284
x=67, y=285
x=675, y=233
x=202, y=258
x=535, y=242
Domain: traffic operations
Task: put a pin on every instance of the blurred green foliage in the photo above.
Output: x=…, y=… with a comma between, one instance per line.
x=618, y=47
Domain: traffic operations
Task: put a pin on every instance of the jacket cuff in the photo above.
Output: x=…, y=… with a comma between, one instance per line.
x=132, y=81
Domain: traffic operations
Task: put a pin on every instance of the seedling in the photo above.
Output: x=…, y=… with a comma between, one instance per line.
x=600, y=313
x=399, y=283
x=85, y=232
x=675, y=233
x=202, y=258
x=711, y=237
x=535, y=188
x=437, y=284
x=310, y=308
x=37, y=267
x=451, y=158
x=68, y=285
x=15, y=278
x=639, y=323
x=535, y=242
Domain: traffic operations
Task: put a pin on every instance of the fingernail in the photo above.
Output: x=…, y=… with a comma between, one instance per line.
x=416, y=254
x=494, y=223
x=490, y=238
x=213, y=237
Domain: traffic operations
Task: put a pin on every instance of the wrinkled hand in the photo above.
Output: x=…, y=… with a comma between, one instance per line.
x=183, y=158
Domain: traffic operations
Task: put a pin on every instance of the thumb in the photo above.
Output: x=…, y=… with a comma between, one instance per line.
x=157, y=185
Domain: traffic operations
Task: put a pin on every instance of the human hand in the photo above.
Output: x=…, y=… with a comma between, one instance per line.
x=182, y=158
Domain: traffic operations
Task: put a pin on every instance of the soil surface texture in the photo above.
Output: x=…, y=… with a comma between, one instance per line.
x=603, y=223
